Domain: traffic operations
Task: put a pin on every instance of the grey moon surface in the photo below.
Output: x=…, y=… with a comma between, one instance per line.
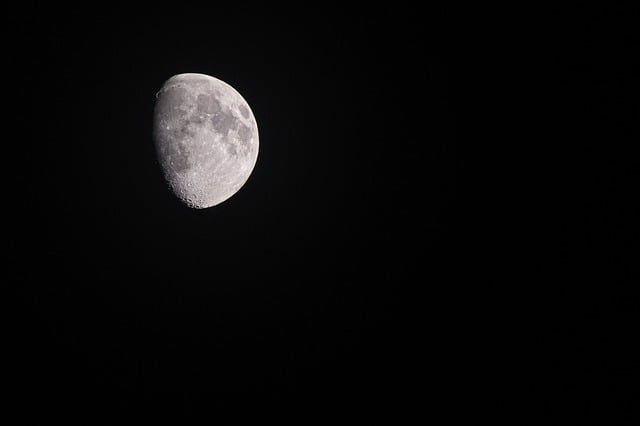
x=206, y=138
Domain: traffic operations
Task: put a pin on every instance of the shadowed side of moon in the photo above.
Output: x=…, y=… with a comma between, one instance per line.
x=206, y=138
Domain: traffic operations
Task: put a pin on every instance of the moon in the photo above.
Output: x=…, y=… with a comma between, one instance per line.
x=206, y=138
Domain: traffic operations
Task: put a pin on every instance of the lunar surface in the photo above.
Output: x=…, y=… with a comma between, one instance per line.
x=206, y=138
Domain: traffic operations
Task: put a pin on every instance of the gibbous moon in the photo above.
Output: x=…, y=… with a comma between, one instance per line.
x=206, y=138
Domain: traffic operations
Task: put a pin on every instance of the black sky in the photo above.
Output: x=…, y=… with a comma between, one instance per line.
x=402, y=246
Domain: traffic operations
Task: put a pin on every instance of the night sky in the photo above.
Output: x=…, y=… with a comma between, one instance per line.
x=403, y=246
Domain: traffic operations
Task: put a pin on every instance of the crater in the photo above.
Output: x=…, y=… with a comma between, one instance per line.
x=244, y=111
x=176, y=157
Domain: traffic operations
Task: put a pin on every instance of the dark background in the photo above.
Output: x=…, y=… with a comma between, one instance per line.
x=442, y=219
